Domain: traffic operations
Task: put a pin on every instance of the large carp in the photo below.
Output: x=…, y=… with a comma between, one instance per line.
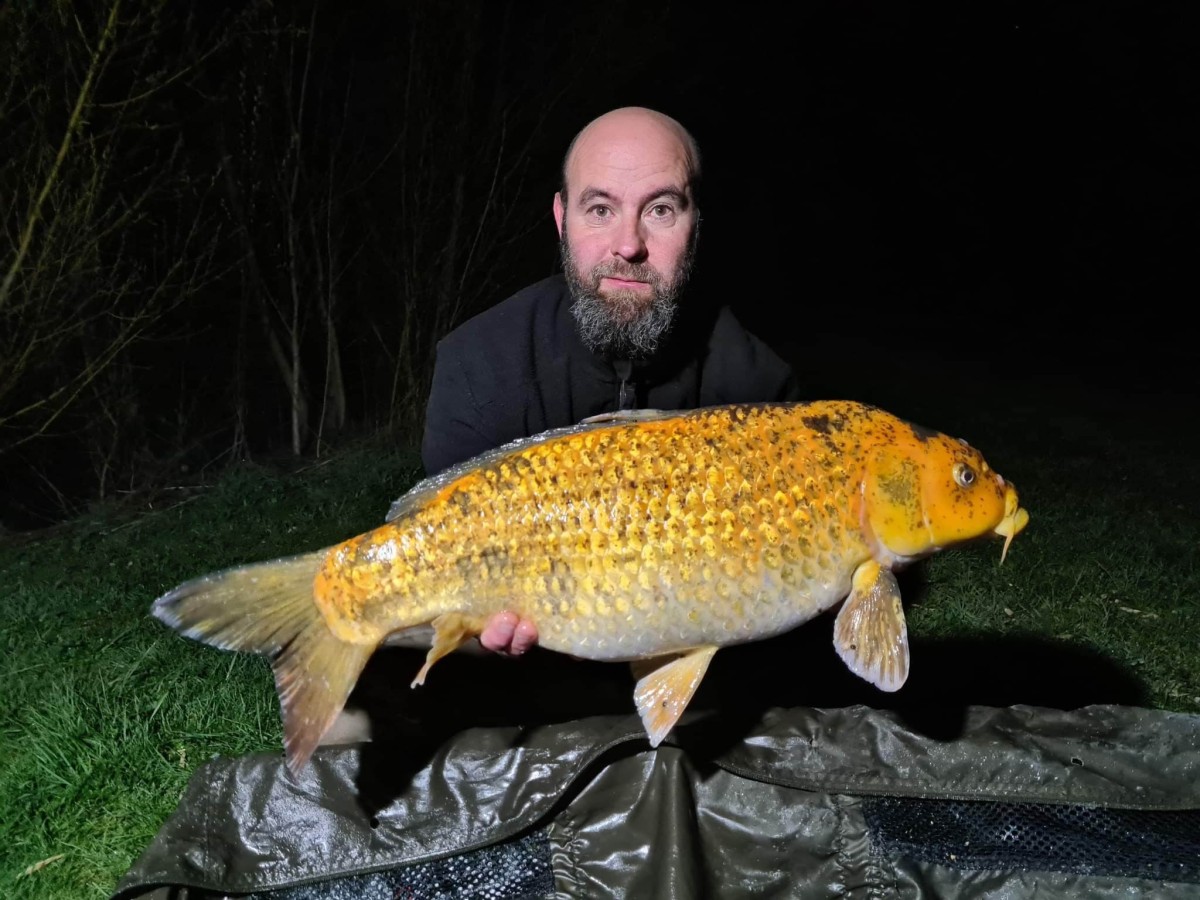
x=648, y=537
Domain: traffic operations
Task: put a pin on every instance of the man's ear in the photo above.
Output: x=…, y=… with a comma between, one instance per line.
x=558, y=212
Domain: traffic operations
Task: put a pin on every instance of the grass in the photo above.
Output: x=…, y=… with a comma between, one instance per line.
x=105, y=713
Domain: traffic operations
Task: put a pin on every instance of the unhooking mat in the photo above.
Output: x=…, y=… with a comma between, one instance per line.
x=853, y=802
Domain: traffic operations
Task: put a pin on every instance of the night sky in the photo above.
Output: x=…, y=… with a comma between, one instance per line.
x=1010, y=190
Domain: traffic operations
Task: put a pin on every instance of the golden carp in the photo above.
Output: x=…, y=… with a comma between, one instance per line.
x=648, y=537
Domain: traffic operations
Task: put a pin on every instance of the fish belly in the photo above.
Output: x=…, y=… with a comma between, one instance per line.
x=645, y=622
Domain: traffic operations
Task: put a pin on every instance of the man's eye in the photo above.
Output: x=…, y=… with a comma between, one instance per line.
x=662, y=210
x=599, y=212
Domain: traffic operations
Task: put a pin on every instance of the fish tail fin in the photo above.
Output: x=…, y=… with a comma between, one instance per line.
x=268, y=608
x=314, y=675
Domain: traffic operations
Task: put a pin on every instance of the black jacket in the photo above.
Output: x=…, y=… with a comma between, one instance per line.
x=519, y=368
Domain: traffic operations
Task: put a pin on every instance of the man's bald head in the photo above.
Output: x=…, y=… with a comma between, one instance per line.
x=636, y=127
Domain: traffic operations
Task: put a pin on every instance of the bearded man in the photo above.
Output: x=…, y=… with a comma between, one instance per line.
x=620, y=328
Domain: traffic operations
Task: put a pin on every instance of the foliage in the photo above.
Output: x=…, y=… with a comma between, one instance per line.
x=111, y=226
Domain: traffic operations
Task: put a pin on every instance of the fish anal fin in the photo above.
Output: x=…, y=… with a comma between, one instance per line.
x=314, y=675
x=870, y=633
x=663, y=694
x=450, y=631
x=640, y=668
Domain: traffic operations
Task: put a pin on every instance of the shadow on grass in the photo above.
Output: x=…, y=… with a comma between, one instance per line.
x=796, y=669
x=946, y=678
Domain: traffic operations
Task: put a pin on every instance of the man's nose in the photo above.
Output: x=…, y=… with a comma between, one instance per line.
x=629, y=241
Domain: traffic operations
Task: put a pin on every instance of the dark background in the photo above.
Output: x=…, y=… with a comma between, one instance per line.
x=901, y=197
x=1005, y=187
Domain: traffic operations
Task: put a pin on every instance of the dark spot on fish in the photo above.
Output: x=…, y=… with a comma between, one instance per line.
x=490, y=554
x=492, y=557
x=822, y=424
x=921, y=433
x=899, y=488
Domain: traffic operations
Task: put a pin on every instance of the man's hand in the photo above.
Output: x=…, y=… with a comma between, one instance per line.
x=509, y=634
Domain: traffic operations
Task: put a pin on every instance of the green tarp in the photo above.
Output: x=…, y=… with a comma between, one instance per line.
x=1012, y=802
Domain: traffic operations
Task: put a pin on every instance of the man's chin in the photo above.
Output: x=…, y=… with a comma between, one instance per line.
x=625, y=305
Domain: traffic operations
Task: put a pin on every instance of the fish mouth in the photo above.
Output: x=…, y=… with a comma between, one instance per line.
x=1015, y=519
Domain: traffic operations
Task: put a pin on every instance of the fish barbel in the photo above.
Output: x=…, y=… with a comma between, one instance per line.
x=649, y=537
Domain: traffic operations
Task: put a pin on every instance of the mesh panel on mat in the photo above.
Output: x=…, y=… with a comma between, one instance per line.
x=515, y=870
x=1044, y=837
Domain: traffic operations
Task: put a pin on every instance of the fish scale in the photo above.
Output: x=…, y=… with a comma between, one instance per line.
x=646, y=536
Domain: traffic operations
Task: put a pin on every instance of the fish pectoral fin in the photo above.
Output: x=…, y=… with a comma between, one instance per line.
x=450, y=631
x=870, y=633
x=662, y=695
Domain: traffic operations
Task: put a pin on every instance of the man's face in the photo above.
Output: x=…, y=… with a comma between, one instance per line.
x=628, y=231
x=626, y=322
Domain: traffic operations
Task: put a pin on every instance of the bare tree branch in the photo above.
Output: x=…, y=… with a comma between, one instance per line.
x=73, y=126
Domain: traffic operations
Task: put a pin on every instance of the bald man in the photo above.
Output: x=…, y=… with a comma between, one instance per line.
x=620, y=328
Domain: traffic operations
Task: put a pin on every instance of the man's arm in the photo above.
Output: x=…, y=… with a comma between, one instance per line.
x=452, y=420
x=743, y=368
x=790, y=387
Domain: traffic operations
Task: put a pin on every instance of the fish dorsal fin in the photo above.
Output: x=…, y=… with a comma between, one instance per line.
x=632, y=415
x=663, y=692
x=423, y=491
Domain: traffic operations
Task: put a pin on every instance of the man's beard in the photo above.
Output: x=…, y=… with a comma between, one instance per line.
x=625, y=324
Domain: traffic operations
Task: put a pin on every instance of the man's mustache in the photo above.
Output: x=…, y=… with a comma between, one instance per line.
x=627, y=271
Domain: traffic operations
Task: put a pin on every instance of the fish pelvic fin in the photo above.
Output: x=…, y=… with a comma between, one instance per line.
x=663, y=694
x=450, y=631
x=268, y=608
x=870, y=633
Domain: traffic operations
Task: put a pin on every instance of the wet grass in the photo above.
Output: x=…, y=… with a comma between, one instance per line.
x=105, y=712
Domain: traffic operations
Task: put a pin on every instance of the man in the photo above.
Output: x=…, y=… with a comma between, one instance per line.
x=618, y=329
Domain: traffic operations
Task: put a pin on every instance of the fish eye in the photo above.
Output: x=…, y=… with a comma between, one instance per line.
x=964, y=475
